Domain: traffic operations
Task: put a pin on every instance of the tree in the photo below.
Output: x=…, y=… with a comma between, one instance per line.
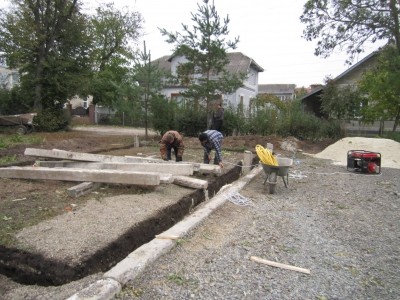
x=113, y=33
x=350, y=24
x=340, y=102
x=47, y=41
x=381, y=85
x=205, y=48
x=145, y=83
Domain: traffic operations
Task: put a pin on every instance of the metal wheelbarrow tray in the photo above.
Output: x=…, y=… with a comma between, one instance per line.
x=273, y=172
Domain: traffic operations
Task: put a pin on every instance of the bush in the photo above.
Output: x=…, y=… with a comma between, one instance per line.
x=190, y=122
x=163, y=113
x=51, y=120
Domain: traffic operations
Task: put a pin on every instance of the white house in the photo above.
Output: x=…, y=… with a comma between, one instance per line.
x=238, y=63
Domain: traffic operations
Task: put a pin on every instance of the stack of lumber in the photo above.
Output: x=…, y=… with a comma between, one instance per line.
x=92, y=169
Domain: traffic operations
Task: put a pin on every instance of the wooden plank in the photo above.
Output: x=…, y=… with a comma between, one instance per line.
x=166, y=178
x=61, y=154
x=207, y=169
x=83, y=189
x=70, y=174
x=279, y=265
x=191, y=182
x=184, y=169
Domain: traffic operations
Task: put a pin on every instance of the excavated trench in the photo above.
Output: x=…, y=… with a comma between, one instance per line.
x=34, y=269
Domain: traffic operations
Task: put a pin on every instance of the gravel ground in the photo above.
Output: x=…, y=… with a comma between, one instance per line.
x=341, y=226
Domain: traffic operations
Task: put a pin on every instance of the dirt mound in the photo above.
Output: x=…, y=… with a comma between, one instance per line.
x=389, y=150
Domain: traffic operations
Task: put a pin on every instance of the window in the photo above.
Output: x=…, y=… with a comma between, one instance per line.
x=85, y=102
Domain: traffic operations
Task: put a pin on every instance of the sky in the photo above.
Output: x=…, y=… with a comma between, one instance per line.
x=270, y=33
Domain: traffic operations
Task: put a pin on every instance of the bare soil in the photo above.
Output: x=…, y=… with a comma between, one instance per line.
x=26, y=204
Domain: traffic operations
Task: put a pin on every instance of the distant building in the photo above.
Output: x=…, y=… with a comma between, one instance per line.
x=284, y=92
x=8, y=78
x=238, y=63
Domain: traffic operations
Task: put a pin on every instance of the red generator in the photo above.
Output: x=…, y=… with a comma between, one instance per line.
x=364, y=161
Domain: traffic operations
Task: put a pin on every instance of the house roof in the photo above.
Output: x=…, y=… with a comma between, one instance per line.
x=343, y=74
x=163, y=63
x=276, y=88
x=357, y=65
x=238, y=62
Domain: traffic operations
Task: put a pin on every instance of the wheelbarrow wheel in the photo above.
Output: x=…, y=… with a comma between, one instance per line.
x=21, y=130
x=272, y=182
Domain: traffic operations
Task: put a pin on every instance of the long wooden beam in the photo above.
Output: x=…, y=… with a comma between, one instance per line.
x=183, y=169
x=191, y=182
x=90, y=157
x=80, y=156
x=70, y=174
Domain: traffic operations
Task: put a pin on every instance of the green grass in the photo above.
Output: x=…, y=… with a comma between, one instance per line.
x=7, y=141
x=8, y=159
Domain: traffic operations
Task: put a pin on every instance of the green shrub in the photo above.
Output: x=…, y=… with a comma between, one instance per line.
x=191, y=122
x=392, y=135
x=51, y=120
x=162, y=114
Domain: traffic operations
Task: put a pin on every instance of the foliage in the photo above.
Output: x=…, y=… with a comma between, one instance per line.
x=47, y=41
x=264, y=122
x=350, y=24
x=190, y=122
x=234, y=122
x=392, y=136
x=145, y=84
x=381, y=87
x=163, y=114
x=6, y=104
x=204, y=46
x=51, y=119
x=341, y=102
x=113, y=32
x=293, y=121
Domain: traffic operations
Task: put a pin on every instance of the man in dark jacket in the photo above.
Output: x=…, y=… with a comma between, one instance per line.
x=172, y=140
x=212, y=139
x=218, y=118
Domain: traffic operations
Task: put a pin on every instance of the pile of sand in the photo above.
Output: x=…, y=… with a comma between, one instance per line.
x=389, y=150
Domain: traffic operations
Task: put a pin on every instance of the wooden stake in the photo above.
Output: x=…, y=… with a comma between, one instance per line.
x=279, y=265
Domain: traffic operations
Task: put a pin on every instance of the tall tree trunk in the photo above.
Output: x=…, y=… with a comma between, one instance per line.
x=38, y=104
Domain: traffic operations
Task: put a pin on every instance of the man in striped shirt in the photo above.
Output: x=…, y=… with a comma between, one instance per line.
x=212, y=139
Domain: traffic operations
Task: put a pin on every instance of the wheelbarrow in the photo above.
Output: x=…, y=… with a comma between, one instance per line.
x=272, y=172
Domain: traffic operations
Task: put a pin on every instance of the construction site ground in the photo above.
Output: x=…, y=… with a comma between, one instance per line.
x=29, y=207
